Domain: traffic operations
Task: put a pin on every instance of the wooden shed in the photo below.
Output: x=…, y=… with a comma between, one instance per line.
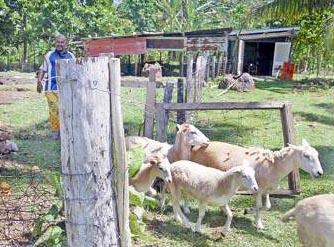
x=260, y=51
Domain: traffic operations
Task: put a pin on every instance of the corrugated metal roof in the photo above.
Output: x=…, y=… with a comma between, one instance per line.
x=264, y=30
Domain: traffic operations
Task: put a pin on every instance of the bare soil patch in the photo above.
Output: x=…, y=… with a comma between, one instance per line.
x=16, y=86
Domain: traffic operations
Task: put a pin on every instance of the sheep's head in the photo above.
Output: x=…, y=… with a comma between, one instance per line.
x=308, y=159
x=189, y=135
x=161, y=163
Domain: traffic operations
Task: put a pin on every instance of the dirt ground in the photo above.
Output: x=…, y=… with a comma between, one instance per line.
x=13, y=86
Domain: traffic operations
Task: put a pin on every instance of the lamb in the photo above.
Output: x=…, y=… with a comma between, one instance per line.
x=209, y=186
x=157, y=165
x=187, y=137
x=315, y=220
x=270, y=167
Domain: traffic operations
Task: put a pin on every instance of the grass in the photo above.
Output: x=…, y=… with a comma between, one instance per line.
x=313, y=110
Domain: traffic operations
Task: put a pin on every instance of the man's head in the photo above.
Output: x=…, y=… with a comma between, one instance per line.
x=61, y=43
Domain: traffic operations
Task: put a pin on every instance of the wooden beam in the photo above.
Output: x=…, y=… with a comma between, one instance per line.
x=223, y=106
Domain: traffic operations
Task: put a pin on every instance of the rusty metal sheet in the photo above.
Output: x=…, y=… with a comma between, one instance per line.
x=166, y=43
x=124, y=46
x=205, y=44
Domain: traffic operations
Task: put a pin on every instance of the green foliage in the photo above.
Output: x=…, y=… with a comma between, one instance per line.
x=49, y=229
x=142, y=13
x=314, y=44
x=136, y=156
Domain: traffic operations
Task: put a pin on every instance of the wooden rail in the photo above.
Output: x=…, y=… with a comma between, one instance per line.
x=162, y=110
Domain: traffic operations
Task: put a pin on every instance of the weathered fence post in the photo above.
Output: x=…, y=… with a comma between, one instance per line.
x=87, y=168
x=150, y=103
x=121, y=176
x=189, y=84
x=289, y=137
x=180, y=115
x=163, y=116
x=213, y=67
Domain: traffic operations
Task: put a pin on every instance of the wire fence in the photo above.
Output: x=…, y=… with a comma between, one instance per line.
x=25, y=198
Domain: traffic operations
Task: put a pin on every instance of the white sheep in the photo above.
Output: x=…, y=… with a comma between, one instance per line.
x=156, y=165
x=270, y=166
x=315, y=220
x=209, y=186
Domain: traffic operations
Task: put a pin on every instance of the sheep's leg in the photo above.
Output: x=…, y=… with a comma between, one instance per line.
x=186, y=209
x=267, y=202
x=162, y=198
x=229, y=214
x=201, y=213
x=178, y=214
x=258, y=221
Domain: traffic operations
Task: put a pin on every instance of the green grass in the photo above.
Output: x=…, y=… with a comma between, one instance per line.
x=313, y=119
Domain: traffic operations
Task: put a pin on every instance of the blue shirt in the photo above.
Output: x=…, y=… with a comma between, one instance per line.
x=49, y=67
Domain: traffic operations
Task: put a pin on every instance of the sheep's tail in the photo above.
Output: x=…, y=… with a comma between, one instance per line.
x=289, y=215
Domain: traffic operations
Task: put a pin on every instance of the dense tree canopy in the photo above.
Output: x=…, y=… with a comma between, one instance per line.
x=28, y=26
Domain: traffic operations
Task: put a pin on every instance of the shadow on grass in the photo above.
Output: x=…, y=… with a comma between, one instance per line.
x=276, y=86
x=175, y=231
x=326, y=157
x=212, y=225
x=311, y=117
x=327, y=106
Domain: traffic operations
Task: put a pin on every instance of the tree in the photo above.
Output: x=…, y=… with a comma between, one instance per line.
x=295, y=9
x=313, y=46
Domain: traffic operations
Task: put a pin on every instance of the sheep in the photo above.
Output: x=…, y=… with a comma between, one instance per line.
x=157, y=165
x=315, y=220
x=187, y=137
x=270, y=167
x=150, y=146
x=209, y=186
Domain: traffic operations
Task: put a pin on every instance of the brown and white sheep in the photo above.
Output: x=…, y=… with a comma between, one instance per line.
x=187, y=136
x=208, y=186
x=315, y=220
x=270, y=167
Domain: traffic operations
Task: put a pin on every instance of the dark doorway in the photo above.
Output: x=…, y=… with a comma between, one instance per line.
x=258, y=58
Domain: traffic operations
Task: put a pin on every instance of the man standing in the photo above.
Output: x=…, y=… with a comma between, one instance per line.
x=48, y=67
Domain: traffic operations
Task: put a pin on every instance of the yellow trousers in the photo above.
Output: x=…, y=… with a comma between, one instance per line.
x=53, y=102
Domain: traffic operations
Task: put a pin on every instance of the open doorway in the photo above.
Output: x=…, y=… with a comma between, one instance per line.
x=258, y=58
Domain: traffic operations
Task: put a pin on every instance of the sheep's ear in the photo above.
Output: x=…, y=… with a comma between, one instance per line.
x=178, y=127
x=305, y=143
x=154, y=161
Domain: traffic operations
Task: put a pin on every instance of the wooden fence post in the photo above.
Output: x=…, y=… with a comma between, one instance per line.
x=213, y=67
x=180, y=115
x=121, y=176
x=189, y=84
x=163, y=115
x=289, y=137
x=87, y=168
x=150, y=103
